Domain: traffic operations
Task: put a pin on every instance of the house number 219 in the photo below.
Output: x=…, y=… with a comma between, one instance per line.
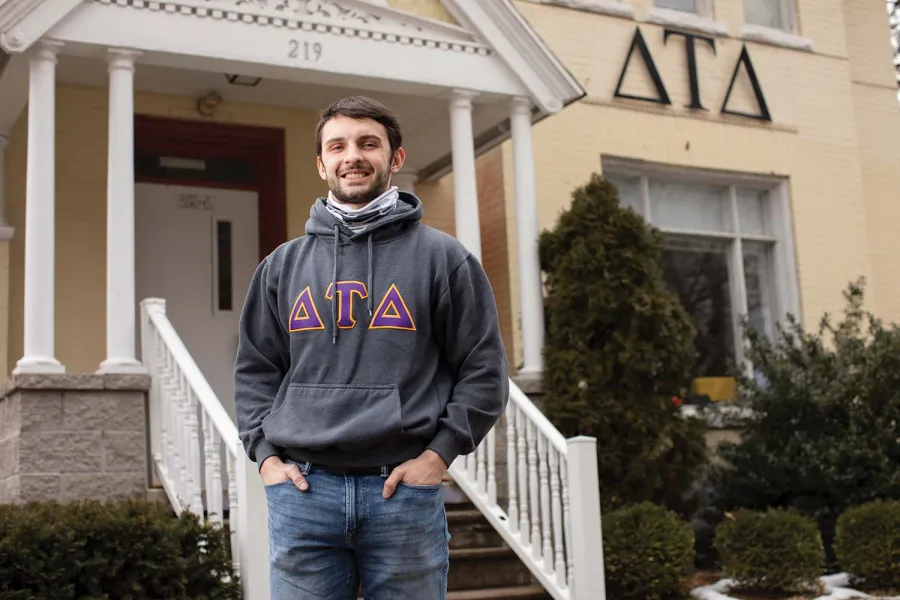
x=305, y=50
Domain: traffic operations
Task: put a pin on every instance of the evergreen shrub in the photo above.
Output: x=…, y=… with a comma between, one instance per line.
x=823, y=431
x=778, y=551
x=128, y=550
x=648, y=553
x=867, y=544
x=618, y=352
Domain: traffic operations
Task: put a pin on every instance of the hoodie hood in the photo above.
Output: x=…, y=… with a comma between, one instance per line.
x=323, y=225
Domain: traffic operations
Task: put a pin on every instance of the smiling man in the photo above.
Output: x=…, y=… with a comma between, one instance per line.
x=369, y=358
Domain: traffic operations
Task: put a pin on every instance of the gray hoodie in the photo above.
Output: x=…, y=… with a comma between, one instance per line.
x=405, y=355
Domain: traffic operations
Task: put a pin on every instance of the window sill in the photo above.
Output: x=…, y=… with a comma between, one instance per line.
x=775, y=37
x=684, y=20
x=614, y=8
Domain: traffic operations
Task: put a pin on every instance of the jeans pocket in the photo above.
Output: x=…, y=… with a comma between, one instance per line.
x=350, y=418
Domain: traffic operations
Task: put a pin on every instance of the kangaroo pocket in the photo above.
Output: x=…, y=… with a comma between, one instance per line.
x=350, y=418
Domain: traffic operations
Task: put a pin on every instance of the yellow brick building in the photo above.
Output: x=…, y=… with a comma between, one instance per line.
x=805, y=196
x=813, y=187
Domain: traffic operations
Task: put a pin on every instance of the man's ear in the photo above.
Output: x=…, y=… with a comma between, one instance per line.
x=398, y=160
x=321, y=167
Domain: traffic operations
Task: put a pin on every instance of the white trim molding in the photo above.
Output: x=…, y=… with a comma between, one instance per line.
x=613, y=8
x=551, y=85
x=775, y=37
x=685, y=20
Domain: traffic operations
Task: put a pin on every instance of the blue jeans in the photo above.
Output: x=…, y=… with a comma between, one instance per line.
x=341, y=533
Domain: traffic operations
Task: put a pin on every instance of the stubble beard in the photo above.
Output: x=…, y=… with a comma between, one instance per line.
x=359, y=196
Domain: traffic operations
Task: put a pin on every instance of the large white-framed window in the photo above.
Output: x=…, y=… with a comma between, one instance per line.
x=728, y=250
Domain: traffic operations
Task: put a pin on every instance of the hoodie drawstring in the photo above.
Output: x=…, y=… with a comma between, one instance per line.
x=334, y=292
x=370, y=291
x=334, y=274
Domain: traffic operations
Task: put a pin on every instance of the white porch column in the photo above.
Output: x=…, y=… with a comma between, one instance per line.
x=120, y=300
x=40, y=208
x=531, y=299
x=465, y=186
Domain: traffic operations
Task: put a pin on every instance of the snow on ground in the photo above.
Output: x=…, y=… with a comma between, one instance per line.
x=836, y=588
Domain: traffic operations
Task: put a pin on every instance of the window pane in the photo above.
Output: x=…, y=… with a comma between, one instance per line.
x=685, y=5
x=759, y=280
x=697, y=271
x=752, y=212
x=688, y=207
x=223, y=252
x=764, y=12
x=629, y=191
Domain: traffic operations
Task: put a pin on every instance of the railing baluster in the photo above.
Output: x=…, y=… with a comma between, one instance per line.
x=524, y=523
x=559, y=564
x=194, y=469
x=492, y=467
x=511, y=482
x=533, y=484
x=208, y=471
x=217, y=485
x=543, y=470
x=570, y=565
x=481, y=467
x=233, y=512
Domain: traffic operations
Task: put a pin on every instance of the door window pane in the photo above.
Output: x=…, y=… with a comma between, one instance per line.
x=629, y=191
x=697, y=272
x=689, y=207
x=767, y=13
x=683, y=5
x=751, y=212
x=758, y=279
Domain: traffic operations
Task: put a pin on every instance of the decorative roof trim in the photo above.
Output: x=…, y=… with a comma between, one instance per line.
x=513, y=39
x=347, y=22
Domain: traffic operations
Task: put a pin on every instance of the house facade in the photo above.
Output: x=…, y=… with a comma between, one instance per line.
x=153, y=151
x=756, y=134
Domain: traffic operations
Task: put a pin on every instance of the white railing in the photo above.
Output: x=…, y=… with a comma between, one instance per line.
x=196, y=452
x=543, y=498
x=539, y=490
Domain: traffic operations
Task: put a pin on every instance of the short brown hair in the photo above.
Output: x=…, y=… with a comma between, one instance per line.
x=361, y=107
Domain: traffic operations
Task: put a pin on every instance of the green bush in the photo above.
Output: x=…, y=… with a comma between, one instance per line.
x=648, y=553
x=824, y=432
x=124, y=551
x=776, y=551
x=867, y=544
x=619, y=346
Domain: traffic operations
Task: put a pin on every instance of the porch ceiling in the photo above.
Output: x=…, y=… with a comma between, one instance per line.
x=425, y=118
x=311, y=52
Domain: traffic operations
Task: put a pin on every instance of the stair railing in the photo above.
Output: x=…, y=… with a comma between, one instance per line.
x=196, y=453
x=542, y=496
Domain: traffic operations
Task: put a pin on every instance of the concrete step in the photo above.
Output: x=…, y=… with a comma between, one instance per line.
x=469, y=529
x=486, y=568
x=522, y=592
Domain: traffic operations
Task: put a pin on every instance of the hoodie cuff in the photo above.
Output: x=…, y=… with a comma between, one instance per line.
x=445, y=444
x=263, y=451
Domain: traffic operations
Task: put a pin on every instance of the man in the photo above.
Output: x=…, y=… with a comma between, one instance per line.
x=370, y=357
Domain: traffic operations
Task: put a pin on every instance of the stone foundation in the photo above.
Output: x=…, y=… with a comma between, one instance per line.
x=73, y=437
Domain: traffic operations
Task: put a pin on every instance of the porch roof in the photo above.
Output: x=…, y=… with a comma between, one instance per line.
x=309, y=52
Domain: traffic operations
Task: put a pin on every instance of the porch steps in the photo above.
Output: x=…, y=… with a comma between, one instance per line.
x=482, y=565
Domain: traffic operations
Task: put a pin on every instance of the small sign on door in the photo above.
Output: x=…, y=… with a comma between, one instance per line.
x=196, y=201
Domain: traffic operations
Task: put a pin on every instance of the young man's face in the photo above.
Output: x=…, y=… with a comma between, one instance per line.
x=356, y=159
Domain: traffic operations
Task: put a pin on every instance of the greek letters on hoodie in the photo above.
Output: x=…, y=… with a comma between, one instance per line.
x=365, y=349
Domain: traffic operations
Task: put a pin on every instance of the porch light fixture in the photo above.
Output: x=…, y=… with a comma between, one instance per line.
x=244, y=80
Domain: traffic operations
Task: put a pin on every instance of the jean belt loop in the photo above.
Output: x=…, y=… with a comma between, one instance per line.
x=384, y=471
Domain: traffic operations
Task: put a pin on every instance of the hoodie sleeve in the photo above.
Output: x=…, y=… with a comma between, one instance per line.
x=468, y=331
x=261, y=364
